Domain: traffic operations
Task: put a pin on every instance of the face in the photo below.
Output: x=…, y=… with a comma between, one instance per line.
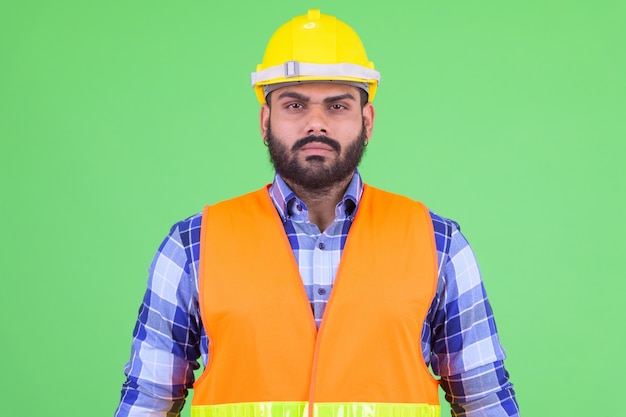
x=316, y=133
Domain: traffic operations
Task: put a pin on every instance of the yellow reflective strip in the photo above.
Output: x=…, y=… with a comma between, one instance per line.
x=262, y=409
x=300, y=409
x=376, y=410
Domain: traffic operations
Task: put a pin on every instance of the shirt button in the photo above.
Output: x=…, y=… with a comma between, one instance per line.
x=321, y=291
x=321, y=245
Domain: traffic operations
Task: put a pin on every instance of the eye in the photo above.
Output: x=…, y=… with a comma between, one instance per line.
x=338, y=107
x=294, y=106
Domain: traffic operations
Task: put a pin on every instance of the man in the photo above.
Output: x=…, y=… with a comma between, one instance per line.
x=316, y=295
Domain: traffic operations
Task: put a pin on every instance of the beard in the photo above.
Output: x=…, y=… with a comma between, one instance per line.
x=315, y=174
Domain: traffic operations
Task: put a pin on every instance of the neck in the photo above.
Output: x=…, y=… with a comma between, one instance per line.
x=321, y=202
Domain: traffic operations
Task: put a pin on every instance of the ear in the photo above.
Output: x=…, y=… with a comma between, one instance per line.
x=264, y=120
x=368, y=119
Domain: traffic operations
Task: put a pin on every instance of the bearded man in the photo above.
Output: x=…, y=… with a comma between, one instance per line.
x=316, y=295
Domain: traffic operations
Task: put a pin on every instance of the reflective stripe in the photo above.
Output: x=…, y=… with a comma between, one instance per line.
x=300, y=409
x=295, y=69
x=265, y=409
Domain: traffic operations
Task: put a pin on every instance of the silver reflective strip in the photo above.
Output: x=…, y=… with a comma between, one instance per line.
x=300, y=409
x=294, y=69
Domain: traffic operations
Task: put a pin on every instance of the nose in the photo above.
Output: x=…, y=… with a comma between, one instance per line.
x=317, y=124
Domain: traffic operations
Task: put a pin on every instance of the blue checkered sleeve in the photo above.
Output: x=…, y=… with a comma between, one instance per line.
x=168, y=337
x=460, y=330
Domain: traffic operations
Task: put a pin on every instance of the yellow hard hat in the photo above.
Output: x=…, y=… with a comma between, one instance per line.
x=314, y=47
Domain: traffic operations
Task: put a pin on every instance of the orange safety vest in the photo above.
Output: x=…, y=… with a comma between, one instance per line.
x=266, y=356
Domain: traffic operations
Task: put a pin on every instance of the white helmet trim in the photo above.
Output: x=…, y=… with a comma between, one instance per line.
x=295, y=69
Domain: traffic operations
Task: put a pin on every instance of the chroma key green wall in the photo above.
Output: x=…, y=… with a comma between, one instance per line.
x=119, y=118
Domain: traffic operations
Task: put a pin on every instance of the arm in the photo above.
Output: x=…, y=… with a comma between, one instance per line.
x=166, y=338
x=466, y=351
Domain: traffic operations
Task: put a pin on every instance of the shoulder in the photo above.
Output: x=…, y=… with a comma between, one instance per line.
x=444, y=229
x=187, y=231
x=180, y=249
x=443, y=226
x=380, y=201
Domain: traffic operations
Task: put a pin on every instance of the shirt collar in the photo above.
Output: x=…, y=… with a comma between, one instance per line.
x=286, y=200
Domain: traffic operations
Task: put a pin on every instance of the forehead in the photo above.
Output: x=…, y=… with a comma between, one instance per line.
x=319, y=90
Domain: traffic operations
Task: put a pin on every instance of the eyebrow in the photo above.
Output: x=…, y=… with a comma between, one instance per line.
x=346, y=96
x=305, y=99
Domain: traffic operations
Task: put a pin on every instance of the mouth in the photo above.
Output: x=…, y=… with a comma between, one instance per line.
x=316, y=148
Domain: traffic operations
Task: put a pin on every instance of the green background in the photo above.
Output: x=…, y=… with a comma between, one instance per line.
x=119, y=118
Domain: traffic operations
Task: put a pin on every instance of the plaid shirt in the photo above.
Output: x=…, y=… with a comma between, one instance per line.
x=459, y=337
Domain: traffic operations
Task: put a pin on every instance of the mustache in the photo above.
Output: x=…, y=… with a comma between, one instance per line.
x=321, y=139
